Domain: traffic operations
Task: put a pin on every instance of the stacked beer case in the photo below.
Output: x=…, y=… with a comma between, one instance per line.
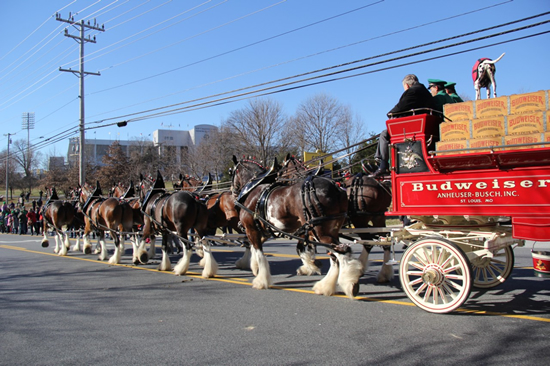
x=503, y=121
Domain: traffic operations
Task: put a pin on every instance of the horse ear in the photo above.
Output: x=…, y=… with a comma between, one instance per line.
x=159, y=176
x=287, y=156
x=97, y=185
x=235, y=161
x=140, y=177
x=181, y=176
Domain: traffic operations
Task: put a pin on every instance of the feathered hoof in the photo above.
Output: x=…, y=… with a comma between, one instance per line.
x=318, y=264
x=143, y=258
x=45, y=244
x=355, y=289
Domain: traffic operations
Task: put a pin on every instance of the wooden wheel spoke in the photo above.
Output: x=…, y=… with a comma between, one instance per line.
x=420, y=289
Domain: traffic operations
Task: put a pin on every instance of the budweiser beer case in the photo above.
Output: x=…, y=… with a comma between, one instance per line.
x=442, y=146
x=529, y=102
x=524, y=139
x=491, y=107
x=527, y=123
x=453, y=131
x=488, y=127
x=459, y=111
x=487, y=142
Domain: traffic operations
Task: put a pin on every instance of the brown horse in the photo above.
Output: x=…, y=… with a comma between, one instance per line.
x=173, y=215
x=58, y=215
x=312, y=210
x=105, y=214
x=368, y=201
x=128, y=195
x=187, y=183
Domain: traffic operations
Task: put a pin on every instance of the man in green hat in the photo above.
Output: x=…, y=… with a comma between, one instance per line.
x=450, y=89
x=437, y=88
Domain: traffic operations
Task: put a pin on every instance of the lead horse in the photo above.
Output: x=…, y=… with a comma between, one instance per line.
x=312, y=209
x=58, y=215
x=173, y=215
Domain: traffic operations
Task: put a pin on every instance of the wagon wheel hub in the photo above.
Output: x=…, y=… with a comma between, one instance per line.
x=433, y=276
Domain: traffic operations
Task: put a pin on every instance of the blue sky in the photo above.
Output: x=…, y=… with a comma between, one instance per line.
x=160, y=53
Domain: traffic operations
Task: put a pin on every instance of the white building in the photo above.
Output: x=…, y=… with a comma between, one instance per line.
x=175, y=139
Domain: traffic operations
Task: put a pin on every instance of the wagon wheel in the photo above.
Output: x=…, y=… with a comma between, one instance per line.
x=436, y=275
x=491, y=272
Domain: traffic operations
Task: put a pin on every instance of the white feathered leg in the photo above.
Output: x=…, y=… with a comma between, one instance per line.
x=210, y=264
x=364, y=258
x=308, y=266
x=103, y=245
x=254, y=261
x=263, y=279
x=165, y=264
x=152, y=247
x=386, y=272
x=45, y=242
x=57, y=243
x=76, y=246
x=141, y=255
x=183, y=264
x=65, y=245
x=350, y=271
x=244, y=261
x=87, y=244
x=199, y=249
x=119, y=249
x=327, y=286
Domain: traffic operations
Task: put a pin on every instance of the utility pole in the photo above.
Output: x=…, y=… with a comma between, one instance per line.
x=8, y=165
x=81, y=39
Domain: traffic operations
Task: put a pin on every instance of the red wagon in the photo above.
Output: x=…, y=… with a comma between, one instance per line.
x=472, y=208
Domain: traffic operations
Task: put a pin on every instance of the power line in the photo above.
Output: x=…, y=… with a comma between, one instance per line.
x=293, y=60
x=353, y=62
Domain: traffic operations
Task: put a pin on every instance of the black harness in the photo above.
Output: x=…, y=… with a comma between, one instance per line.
x=313, y=211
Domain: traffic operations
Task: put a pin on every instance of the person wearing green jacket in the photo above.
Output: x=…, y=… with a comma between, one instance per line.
x=450, y=89
x=437, y=88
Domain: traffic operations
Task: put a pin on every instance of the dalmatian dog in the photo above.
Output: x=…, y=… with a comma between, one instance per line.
x=483, y=74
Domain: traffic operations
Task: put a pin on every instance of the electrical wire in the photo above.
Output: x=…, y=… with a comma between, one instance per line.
x=347, y=64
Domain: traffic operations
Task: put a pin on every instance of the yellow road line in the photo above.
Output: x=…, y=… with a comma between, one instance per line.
x=243, y=281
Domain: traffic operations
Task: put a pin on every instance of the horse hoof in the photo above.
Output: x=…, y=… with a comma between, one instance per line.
x=144, y=258
x=355, y=290
x=318, y=263
x=87, y=250
x=45, y=244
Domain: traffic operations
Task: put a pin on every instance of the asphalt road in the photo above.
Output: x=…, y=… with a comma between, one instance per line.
x=76, y=310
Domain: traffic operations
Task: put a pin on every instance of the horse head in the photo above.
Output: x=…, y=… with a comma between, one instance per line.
x=243, y=171
x=292, y=168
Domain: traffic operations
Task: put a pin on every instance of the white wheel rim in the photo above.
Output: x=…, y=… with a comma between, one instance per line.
x=491, y=272
x=435, y=275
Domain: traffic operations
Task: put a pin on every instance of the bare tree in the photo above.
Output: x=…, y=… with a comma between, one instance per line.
x=143, y=157
x=26, y=159
x=319, y=122
x=115, y=168
x=351, y=132
x=258, y=128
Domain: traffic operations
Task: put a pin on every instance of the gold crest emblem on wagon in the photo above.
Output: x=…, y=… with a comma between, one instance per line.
x=409, y=159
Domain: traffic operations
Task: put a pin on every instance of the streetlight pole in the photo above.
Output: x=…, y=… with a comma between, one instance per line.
x=8, y=165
